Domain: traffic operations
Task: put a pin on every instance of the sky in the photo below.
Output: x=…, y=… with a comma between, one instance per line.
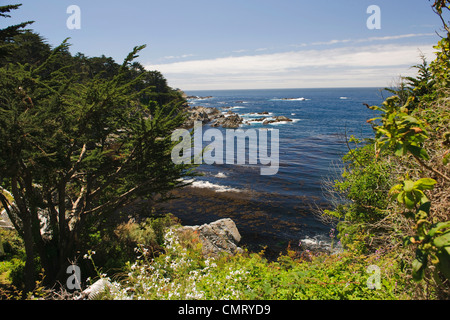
x=247, y=44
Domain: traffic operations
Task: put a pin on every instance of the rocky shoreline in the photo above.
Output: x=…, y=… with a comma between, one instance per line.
x=228, y=120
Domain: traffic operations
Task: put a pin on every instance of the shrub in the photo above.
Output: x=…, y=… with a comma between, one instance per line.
x=115, y=244
x=183, y=273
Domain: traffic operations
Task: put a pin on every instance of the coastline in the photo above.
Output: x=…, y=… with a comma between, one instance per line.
x=260, y=223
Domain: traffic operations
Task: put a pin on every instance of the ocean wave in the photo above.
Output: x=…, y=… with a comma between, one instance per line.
x=256, y=115
x=221, y=175
x=252, y=122
x=320, y=242
x=290, y=99
x=285, y=122
x=213, y=186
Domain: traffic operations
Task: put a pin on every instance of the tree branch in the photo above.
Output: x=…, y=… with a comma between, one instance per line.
x=112, y=203
x=75, y=166
x=113, y=176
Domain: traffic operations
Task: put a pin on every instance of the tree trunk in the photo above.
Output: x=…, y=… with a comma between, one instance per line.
x=29, y=280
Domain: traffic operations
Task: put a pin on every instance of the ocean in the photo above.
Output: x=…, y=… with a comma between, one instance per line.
x=275, y=211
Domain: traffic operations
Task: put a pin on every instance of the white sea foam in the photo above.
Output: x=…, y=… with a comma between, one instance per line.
x=284, y=122
x=221, y=175
x=320, y=242
x=290, y=99
x=213, y=186
x=279, y=123
x=250, y=122
x=257, y=115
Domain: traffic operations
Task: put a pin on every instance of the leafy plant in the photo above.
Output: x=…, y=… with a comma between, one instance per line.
x=432, y=240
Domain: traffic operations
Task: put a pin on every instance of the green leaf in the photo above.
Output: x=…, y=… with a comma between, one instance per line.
x=443, y=240
x=401, y=197
x=397, y=187
x=384, y=131
x=410, y=200
x=420, y=196
x=410, y=119
x=444, y=261
x=425, y=207
x=419, y=152
x=419, y=265
x=400, y=150
x=438, y=227
x=409, y=186
x=425, y=184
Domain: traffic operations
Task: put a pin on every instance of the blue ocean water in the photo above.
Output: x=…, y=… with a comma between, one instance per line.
x=308, y=146
x=311, y=147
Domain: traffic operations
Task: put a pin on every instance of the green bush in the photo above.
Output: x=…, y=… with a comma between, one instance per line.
x=182, y=273
x=115, y=244
x=363, y=190
x=12, y=244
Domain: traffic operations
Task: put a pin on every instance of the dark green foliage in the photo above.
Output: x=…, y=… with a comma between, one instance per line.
x=80, y=137
x=115, y=243
x=366, y=182
x=414, y=91
x=364, y=187
x=7, y=34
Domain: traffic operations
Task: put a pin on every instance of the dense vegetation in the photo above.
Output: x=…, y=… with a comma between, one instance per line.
x=391, y=205
x=80, y=138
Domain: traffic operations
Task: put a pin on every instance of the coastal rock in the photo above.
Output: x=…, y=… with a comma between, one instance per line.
x=277, y=119
x=198, y=97
x=258, y=119
x=43, y=215
x=92, y=292
x=5, y=223
x=231, y=121
x=218, y=237
x=203, y=114
x=282, y=118
x=260, y=113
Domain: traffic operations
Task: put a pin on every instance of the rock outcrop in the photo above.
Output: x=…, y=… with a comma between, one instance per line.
x=198, y=97
x=218, y=237
x=203, y=114
x=277, y=119
x=214, y=116
x=230, y=121
x=5, y=223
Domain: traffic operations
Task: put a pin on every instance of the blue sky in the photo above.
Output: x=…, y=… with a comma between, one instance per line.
x=248, y=44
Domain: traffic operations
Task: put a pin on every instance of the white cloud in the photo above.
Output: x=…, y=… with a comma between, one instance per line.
x=179, y=57
x=349, y=66
x=364, y=40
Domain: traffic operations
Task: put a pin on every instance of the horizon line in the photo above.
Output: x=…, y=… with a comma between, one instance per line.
x=296, y=88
